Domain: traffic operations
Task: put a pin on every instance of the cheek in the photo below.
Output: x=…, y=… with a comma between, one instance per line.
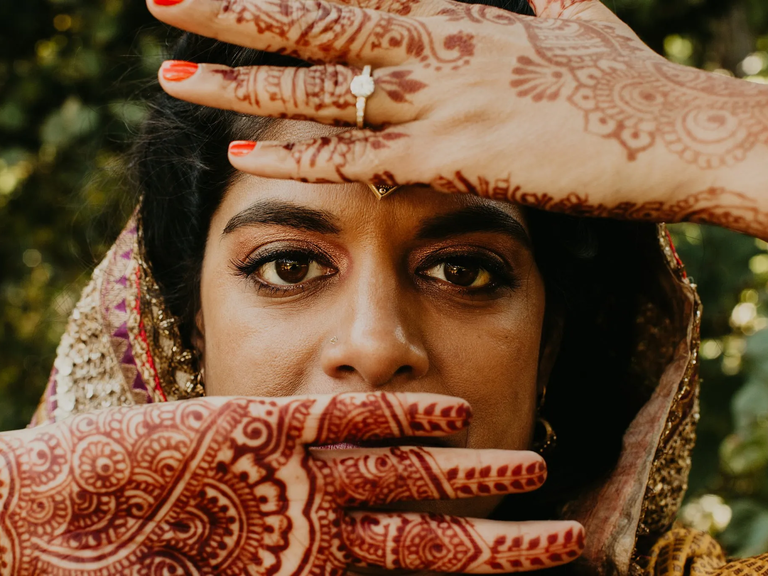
x=251, y=350
x=491, y=360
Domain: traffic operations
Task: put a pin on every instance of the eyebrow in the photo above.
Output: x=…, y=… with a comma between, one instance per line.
x=480, y=218
x=283, y=214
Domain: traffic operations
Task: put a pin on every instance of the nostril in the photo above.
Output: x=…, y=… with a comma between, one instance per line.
x=346, y=368
x=403, y=370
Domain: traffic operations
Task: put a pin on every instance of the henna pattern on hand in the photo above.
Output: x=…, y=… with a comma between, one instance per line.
x=630, y=95
x=341, y=149
x=637, y=98
x=186, y=486
x=715, y=205
x=307, y=86
x=318, y=28
x=315, y=88
x=132, y=498
x=449, y=544
x=412, y=473
x=228, y=487
x=351, y=153
x=623, y=92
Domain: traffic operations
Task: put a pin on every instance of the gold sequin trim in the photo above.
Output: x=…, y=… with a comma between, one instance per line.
x=668, y=479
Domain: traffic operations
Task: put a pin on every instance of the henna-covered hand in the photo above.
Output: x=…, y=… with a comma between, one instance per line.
x=243, y=486
x=568, y=103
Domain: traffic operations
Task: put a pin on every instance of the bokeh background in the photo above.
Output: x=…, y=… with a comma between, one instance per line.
x=73, y=76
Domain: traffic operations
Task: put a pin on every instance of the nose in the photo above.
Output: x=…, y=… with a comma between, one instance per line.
x=377, y=339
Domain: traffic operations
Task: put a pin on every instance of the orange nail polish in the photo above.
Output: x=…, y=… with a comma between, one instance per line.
x=168, y=2
x=241, y=147
x=177, y=70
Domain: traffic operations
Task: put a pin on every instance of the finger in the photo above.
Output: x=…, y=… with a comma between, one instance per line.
x=351, y=156
x=451, y=544
x=320, y=93
x=314, y=30
x=592, y=10
x=335, y=418
x=401, y=7
x=556, y=8
x=355, y=417
x=371, y=477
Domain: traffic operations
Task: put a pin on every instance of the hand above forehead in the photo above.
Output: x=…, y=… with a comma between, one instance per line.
x=567, y=111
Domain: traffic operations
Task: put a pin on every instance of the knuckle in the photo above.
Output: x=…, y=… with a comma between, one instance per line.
x=325, y=21
x=327, y=87
x=306, y=17
x=223, y=12
x=338, y=83
x=367, y=157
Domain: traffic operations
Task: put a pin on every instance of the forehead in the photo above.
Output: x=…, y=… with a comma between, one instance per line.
x=353, y=205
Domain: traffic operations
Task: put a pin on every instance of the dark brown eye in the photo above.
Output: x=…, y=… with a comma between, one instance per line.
x=464, y=272
x=291, y=269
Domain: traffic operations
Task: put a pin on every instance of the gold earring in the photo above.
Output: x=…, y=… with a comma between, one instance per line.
x=542, y=398
x=546, y=444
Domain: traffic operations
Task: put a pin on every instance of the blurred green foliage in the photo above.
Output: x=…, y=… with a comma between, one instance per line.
x=72, y=80
x=73, y=76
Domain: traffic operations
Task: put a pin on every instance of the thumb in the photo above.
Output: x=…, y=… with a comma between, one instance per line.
x=593, y=10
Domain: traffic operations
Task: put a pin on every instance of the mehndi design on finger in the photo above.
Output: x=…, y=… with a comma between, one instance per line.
x=451, y=544
x=336, y=152
x=312, y=88
x=299, y=92
x=414, y=473
x=358, y=417
x=319, y=31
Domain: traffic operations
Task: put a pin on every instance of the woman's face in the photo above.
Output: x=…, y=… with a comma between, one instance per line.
x=317, y=289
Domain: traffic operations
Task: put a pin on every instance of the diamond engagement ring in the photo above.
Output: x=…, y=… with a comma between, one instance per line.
x=361, y=87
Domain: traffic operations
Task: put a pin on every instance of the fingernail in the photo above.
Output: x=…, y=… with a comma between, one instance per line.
x=177, y=70
x=241, y=147
x=168, y=2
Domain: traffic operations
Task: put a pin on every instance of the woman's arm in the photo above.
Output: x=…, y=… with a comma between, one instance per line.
x=228, y=486
x=568, y=111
